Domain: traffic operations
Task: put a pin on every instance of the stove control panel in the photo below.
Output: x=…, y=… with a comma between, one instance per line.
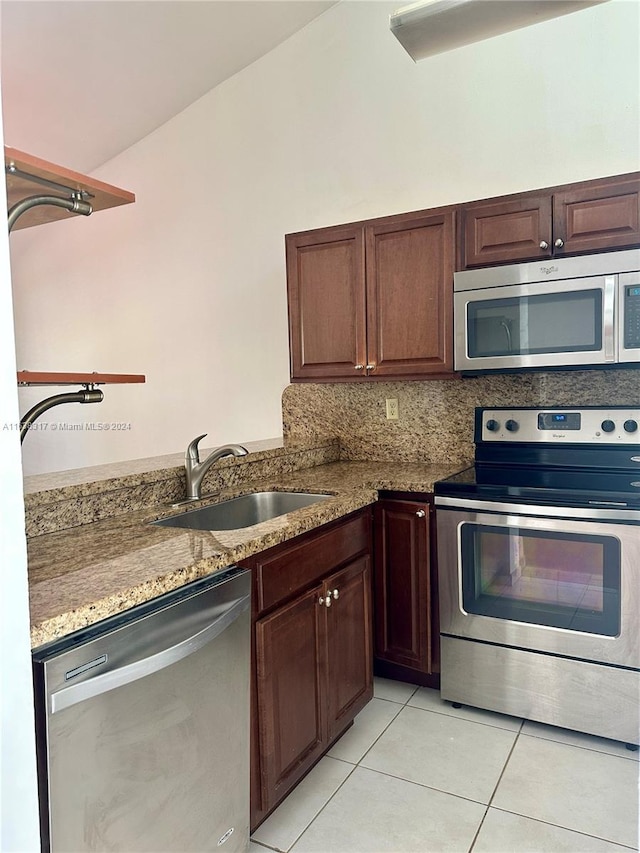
x=559, y=421
x=592, y=425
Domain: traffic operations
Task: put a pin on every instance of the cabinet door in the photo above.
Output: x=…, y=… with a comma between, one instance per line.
x=326, y=289
x=602, y=216
x=503, y=231
x=349, y=644
x=402, y=584
x=409, y=295
x=291, y=671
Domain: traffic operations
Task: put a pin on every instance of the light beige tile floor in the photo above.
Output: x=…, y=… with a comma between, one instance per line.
x=415, y=775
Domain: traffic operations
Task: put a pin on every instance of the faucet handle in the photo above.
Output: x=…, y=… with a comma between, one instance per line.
x=192, y=453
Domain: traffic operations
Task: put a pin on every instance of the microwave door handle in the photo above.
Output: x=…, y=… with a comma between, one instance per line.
x=608, y=318
x=507, y=330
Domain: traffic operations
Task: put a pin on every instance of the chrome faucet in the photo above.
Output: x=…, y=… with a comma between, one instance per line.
x=195, y=469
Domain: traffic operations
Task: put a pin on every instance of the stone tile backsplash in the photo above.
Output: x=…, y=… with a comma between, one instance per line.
x=323, y=423
x=436, y=418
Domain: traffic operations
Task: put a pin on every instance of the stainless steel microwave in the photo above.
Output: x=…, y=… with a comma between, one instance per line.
x=555, y=314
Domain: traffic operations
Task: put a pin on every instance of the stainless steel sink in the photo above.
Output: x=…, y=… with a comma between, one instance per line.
x=243, y=511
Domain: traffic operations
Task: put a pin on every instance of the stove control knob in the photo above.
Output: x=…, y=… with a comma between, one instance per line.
x=630, y=426
x=512, y=426
x=608, y=426
x=493, y=426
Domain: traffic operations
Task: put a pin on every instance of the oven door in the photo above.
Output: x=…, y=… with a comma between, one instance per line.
x=550, y=324
x=561, y=585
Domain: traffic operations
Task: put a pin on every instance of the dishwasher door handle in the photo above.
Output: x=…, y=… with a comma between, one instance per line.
x=69, y=696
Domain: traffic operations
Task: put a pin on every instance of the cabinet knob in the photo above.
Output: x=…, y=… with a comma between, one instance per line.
x=336, y=594
x=327, y=601
x=559, y=243
x=544, y=244
x=358, y=367
x=371, y=367
x=321, y=601
x=421, y=513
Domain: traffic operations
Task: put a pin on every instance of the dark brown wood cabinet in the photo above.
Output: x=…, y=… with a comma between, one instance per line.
x=312, y=668
x=348, y=622
x=590, y=216
x=290, y=664
x=597, y=217
x=327, y=303
x=405, y=591
x=372, y=300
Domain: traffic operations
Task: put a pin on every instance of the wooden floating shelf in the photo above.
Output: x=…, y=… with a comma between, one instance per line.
x=28, y=175
x=34, y=377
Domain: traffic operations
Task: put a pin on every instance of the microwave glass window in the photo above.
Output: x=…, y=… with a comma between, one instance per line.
x=542, y=577
x=526, y=325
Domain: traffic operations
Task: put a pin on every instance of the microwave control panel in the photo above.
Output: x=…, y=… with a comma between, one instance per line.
x=632, y=317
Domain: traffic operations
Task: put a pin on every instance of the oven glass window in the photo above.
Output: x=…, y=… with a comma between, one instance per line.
x=527, y=325
x=545, y=578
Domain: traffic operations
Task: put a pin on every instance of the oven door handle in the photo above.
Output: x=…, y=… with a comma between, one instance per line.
x=600, y=511
x=608, y=318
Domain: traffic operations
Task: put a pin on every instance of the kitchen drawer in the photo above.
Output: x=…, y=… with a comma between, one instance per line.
x=284, y=571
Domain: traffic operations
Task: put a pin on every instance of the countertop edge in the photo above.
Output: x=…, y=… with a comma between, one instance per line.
x=196, y=554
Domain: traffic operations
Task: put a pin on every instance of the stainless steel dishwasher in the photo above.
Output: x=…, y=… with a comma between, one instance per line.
x=143, y=726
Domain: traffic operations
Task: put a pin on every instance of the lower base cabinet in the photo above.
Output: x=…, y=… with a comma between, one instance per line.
x=405, y=591
x=312, y=652
x=291, y=706
x=349, y=644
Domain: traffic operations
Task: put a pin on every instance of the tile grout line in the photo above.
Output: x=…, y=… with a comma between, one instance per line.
x=370, y=747
x=348, y=776
x=582, y=746
x=538, y=820
x=466, y=720
x=480, y=825
x=353, y=766
x=565, y=828
x=264, y=846
x=513, y=746
x=426, y=787
x=518, y=732
x=322, y=808
x=528, y=817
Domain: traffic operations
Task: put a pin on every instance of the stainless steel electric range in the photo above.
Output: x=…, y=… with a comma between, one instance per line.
x=539, y=569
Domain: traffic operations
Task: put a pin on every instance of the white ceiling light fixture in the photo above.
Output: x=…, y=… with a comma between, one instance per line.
x=436, y=26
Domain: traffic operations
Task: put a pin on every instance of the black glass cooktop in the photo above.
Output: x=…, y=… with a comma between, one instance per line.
x=550, y=486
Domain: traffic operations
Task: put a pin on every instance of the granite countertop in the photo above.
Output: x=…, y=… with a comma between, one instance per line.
x=84, y=574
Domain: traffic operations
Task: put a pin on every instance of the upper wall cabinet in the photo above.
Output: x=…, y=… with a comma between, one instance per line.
x=29, y=176
x=372, y=300
x=591, y=216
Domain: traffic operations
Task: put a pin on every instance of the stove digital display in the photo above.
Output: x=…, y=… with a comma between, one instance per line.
x=559, y=420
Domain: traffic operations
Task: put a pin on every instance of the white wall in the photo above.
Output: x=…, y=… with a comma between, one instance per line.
x=19, y=830
x=338, y=123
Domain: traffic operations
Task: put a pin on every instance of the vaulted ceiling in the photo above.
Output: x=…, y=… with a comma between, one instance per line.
x=82, y=80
